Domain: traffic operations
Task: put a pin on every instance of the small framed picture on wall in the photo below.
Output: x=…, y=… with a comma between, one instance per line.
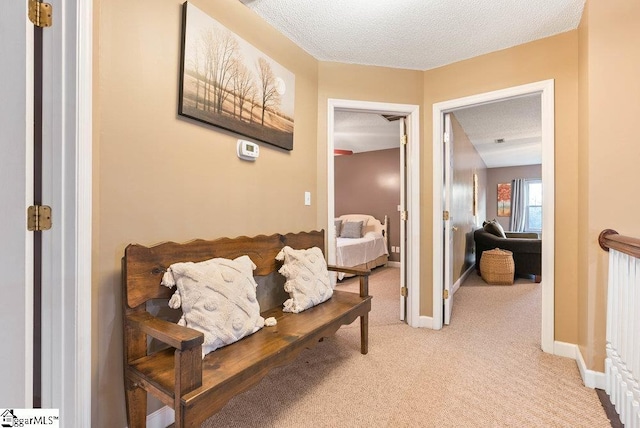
x=504, y=199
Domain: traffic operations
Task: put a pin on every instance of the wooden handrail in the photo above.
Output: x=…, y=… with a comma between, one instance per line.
x=609, y=238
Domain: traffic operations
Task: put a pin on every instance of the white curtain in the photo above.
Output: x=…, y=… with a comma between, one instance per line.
x=518, y=205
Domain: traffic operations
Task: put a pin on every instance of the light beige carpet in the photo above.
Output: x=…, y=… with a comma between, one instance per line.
x=484, y=370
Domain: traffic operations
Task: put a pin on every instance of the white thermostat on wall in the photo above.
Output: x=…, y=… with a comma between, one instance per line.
x=248, y=150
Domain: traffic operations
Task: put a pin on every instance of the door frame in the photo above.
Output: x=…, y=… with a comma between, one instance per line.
x=67, y=247
x=546, y=90
x=412, y=258
x=447, y=232
x=16, y=121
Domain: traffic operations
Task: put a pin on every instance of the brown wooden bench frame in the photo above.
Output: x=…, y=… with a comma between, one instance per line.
x=194, y=387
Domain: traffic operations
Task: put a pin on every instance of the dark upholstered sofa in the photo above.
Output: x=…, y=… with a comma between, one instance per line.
x=527, y=252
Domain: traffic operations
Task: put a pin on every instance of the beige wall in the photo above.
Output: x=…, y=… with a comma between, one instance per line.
x=585, y=327
x=466, y=162
x=609, y=152
x=162, y=177
x=551, y=58
x=506, y=175
x=362, y=83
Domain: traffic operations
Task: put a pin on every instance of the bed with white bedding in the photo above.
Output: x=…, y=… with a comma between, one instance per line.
x=367, y=251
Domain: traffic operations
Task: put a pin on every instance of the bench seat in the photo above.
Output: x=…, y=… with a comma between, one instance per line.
x=252, y=357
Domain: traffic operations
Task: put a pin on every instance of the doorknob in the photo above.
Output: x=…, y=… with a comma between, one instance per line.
x=455, y=229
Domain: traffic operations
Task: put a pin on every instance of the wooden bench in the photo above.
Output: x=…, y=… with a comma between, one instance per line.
x=177, y=375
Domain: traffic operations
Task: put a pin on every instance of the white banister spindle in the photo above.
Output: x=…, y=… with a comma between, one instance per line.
x=622, y=364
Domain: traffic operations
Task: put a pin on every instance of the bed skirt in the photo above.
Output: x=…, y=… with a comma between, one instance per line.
x=380, y=261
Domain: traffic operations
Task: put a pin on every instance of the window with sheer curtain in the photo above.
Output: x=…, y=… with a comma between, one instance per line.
x=533, y=209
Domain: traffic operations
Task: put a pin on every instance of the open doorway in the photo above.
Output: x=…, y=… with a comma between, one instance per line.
x=443, y=297
x=409, y=259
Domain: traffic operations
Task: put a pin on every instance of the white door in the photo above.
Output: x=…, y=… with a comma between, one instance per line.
x=403, y=219
x=447, y=219
x=16, y=185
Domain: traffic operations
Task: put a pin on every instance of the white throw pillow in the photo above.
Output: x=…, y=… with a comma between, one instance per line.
x=218, y=298
x=307, y=278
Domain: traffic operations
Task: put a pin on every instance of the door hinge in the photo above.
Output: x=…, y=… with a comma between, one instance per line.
x=40, y=13
x=446, y=137
x=403, y=140
x=404, y=291
x=404, y=215
x=445, y=294
x=38, y=218
x=445, y=215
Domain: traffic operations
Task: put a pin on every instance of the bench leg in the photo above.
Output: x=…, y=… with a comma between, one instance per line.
x=136, y=399
x=364, y=334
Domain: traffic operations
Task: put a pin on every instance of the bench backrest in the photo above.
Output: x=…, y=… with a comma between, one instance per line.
x=143, y=267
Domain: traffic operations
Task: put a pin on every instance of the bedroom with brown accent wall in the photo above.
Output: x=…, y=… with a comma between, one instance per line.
x=369, y=183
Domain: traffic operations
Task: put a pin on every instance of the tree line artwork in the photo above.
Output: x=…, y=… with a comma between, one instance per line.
x=228, y=83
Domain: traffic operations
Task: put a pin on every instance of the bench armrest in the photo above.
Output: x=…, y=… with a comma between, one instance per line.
x=351, y=270
x=174, y=335
x=362, y=273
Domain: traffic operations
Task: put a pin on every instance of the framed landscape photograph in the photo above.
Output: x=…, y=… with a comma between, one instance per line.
x=504, y=200
x=228, y=83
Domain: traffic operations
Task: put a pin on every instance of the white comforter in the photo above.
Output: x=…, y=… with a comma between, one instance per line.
x=356, y=251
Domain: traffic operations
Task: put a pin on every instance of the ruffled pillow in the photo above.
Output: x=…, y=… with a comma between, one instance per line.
x=218, y=298
x=307, y=278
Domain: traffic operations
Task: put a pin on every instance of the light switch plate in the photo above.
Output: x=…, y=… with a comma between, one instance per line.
x=307, y=198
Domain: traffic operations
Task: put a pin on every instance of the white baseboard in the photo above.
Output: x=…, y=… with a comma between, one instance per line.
x=393, y=264
x=161, y=418
x=460, y=280
x=425, y=322
x=567, y=350
x=590, y=378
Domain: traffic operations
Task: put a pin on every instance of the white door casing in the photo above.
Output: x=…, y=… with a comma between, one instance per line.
x=16, y=193
x=546, y=90
x=412, y=258
x=67, y=188
x=403, y=224
x=447, y=220
x=67, y=178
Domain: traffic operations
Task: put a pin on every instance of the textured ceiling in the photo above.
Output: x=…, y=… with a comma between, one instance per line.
x=414, y=34
x=364, y=132
x=518, y=121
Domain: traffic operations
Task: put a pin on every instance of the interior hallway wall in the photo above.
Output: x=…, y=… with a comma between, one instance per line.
x=466, y=163
x=609, y=153
x=161, y=177
x=550, y=58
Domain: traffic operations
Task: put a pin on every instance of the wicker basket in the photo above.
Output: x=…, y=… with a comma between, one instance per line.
x=497, y=267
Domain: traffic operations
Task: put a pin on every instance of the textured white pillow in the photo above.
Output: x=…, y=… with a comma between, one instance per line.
x=218, y=298
x=307, y=278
